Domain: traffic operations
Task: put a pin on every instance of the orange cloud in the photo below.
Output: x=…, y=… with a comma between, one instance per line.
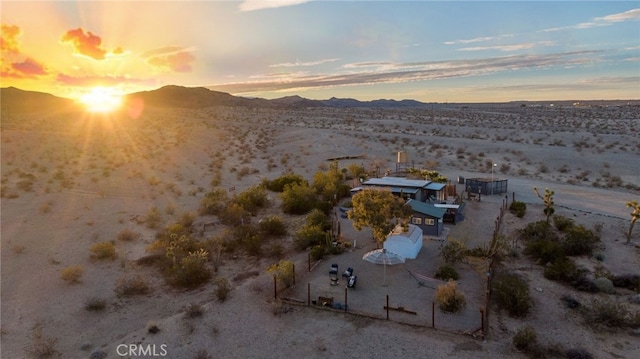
x=29, y=68
x=86, y=44
x=9, y=39
x=178, y=62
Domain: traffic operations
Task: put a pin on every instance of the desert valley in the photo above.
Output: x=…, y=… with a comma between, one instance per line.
x=89, y=198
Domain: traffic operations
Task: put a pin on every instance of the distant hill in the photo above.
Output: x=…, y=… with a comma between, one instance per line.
x=14, y=100
x=190, y=97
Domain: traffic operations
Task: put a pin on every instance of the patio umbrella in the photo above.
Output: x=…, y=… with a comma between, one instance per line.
x=384, y=257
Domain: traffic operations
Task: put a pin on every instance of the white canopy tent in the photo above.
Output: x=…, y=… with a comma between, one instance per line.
x=407, y=244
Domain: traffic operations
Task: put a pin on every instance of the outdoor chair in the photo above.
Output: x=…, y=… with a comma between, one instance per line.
x=333, y=274
x=351, y=283
x=348, y=273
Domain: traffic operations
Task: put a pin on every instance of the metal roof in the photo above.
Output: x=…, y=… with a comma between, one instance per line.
x=396, y=182
x=426, y=208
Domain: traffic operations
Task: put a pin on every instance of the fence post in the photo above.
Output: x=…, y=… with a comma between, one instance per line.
x=275, y=287
x=309, y=261
x=309, y=294
x=387, y=306
x=294, y=273
x=345, y=299
x=482, y=320
x=433, y=314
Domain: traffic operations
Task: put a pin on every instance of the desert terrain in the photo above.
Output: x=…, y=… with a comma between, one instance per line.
x=74, y=180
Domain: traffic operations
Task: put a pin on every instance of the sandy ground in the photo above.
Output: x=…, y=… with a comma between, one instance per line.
x=69, y=182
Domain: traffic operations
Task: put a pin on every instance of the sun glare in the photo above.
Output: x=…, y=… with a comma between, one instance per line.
x=101, y=99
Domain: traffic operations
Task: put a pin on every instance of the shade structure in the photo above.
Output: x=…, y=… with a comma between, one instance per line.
x=384, y=257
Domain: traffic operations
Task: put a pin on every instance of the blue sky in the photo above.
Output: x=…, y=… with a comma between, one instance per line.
x=427, y=50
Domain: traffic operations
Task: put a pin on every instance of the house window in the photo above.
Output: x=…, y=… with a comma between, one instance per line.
x=429, y=221
x=416, y=220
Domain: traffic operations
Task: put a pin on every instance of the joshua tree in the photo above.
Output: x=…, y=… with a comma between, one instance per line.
x=548, y=201
x=634, y=217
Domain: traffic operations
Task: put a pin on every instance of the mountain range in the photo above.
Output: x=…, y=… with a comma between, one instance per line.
x=171, y=96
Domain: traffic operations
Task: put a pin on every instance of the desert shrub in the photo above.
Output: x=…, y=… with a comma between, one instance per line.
x=252, y=244
x=42, y=347
x=599, y=256
x=234, y=215
x=278, y=184
x=103, y=250
x=223, y=288
x=518, y=208
x=604, y=285
x=152, y=327
x=525, y=338
x=186, y=220
x=153, y=218
x=449, y=298
x=512, y=294
x=562, y=223
x=629, y=281
x=284, y=272
x=318, y=218
x=607, y=313
x=130, y=286
x=562, y=269
x=309, y=235
x=252, y=199
x=578, y=353
x=274, y=250
x=544, y=250
x=191, y=270
x=272, y=226
x=298, y=198
x=537, y=230
x=95, y=304
x=213, y=202
x=453, y=251
x=194, y=311
x=578, y=241
x=447, y=272
x=202, y=354
x=72, y=274
x=127, y=235
x=585, y=284
x=317, y=252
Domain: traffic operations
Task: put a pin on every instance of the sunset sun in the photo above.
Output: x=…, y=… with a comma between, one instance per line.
x=101, y=99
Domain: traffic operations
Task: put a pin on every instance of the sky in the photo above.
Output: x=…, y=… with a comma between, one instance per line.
x=431, y=51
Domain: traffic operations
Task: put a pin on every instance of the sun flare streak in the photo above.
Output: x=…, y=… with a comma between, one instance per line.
x=101, y=99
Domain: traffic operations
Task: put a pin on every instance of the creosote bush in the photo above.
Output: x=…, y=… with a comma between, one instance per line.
x=518, y=208
x=128, y=235
x=72, y=274
x=223, y=288
x=103, y=250
x=449, y=298
x=95, y=304
x=511, y=292
x=272, y=226
x=42, y=347
x=130, y=286
x=447, y=272
x=454, y=251
x=525, y=338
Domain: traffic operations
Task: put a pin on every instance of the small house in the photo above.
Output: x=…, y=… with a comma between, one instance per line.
x=428, y=217
x=421, y=190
